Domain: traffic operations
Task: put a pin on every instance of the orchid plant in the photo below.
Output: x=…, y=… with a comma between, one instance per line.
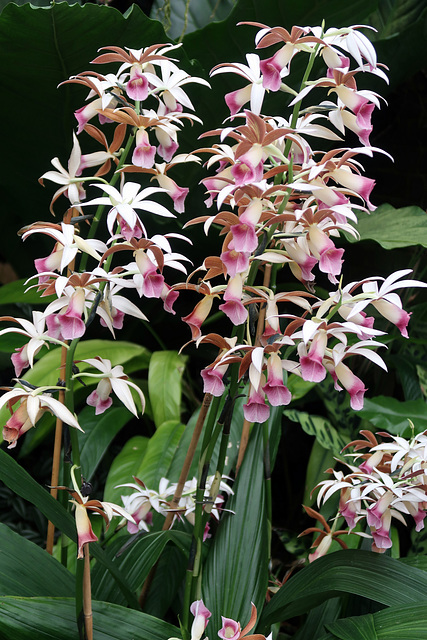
x=281, y=206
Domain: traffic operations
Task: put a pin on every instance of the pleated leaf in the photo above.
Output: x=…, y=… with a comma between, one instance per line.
x=160, y=451
x=235, y=573
x=17, y=479
x=374, y=576
x=27, y=570
x=394, y=623
x=135, y=562
x=54, y=619
x=99, y=432
x=164, y=385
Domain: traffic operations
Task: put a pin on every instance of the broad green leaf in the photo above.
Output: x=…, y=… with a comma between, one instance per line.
x=242, y=531
x=395, y=623
x=17, y=479
x=99, y=432
x=54, y=619
x=17, y=292
x=134, y=562
x=357, y=628
x=394, y=16
x=167, y=581
x=326, y=435
x=314, y=625
x=390, y=414
x=299, y=387
x=164, y=385
x=27, y=570
x=124, y=466
x=371, y=575
x=393, y=228
x=178, y=19
x=159, y=454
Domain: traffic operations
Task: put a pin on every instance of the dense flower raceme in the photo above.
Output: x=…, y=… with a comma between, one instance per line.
x=143, y=500
x=390, y=482
x=279, y=204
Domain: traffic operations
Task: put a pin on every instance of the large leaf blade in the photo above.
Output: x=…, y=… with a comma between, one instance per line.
x=363, y=573
x=54, y=619
x=164, y=385
x=27, y=570
x=227, y=570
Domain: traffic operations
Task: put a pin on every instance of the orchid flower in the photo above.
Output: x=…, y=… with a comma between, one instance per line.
x=33, y=403
x=82, y=505
x=112, y=379
x=24, y=357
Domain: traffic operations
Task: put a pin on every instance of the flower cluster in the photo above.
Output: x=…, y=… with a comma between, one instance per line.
x=389, y=483
x=282, y=204
x=143, y=500
x=152, y=123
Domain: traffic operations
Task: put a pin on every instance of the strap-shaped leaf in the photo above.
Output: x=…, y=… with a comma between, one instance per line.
x=235, y=573
x=54, y=619
x=380, y=578
x=135, y=562
x=18, y=577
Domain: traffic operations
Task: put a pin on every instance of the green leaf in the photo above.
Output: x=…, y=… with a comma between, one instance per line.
x=389, y=414
x=394, y=16
x=314, y=625
x=99, y=432
x=54, y=619
x=135, y=562
x=200, y=12
x=395, y=623
x=160, y=451
x=27, y=570
x=164, y=385
x=393, y=228
x=357, y=628
x=320, y=427
x=363, y=573
x=124, y=466
x=17, y=292
x=227, y=570
x=17, y=479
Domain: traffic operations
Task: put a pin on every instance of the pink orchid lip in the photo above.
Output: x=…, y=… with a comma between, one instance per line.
x=198, y=315
x=255, y=410
x=137, y=86
x=84, y=529
x=236, y=99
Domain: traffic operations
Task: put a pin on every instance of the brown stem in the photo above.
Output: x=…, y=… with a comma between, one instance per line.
x=54, y=480
x=207, y=399
x=259, y=331
x=87, y=595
